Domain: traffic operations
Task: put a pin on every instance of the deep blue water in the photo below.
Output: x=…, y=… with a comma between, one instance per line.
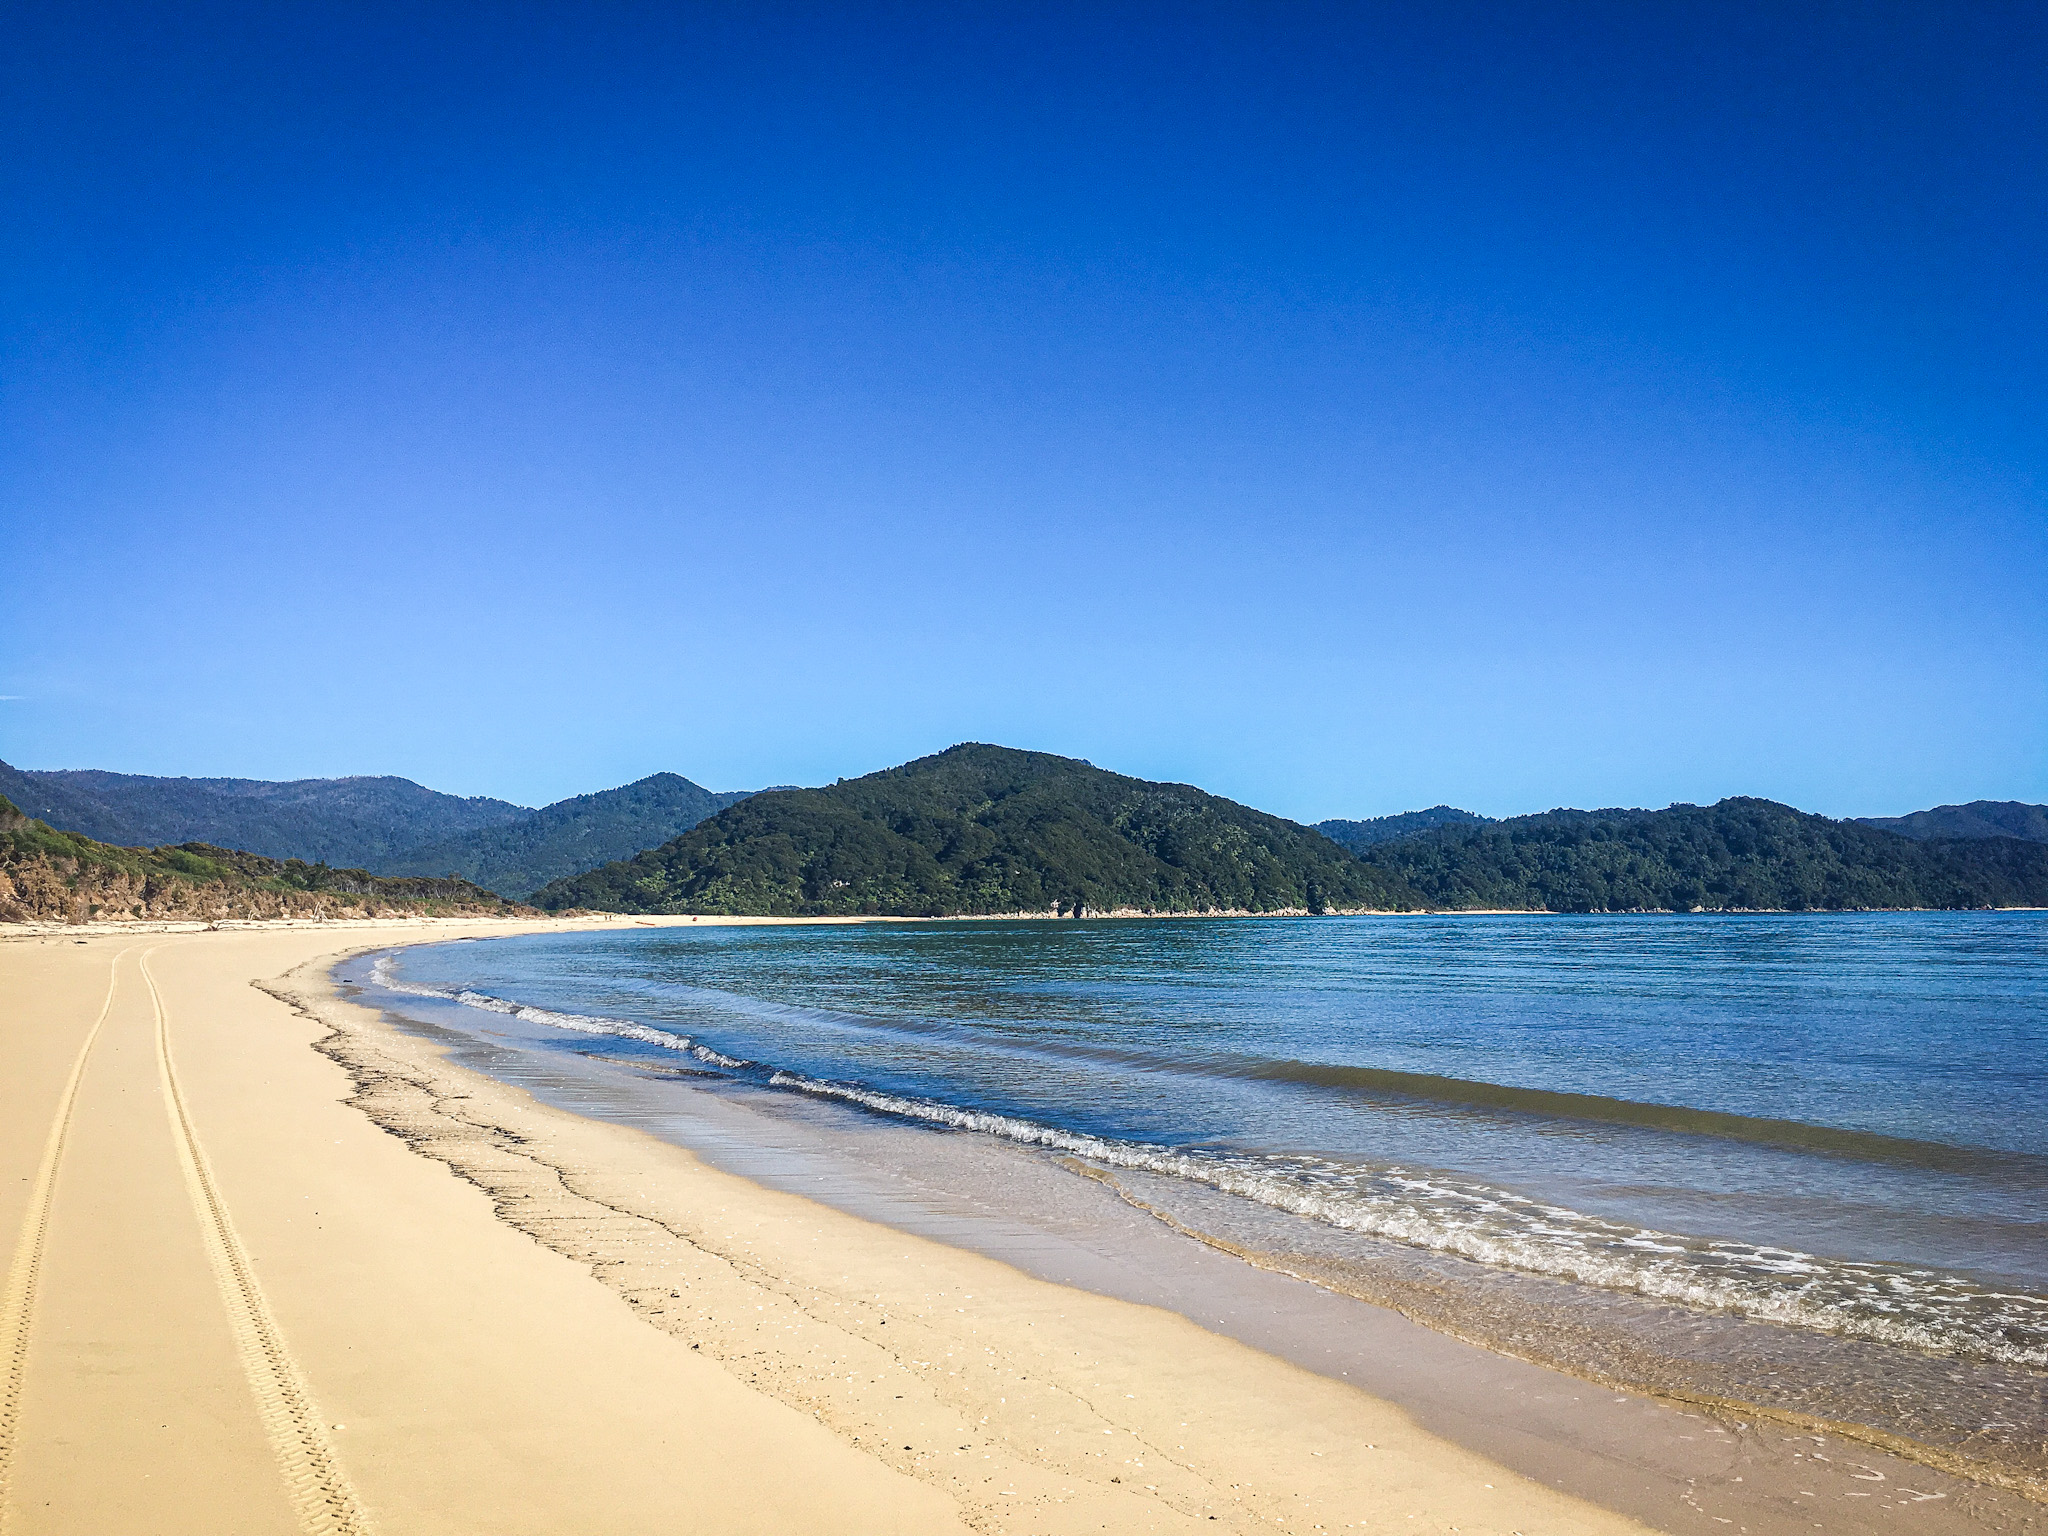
x=1830, y=1120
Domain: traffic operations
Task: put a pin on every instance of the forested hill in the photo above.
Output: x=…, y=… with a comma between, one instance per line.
x=983, y=829
x=1980, y=818
x=570, y=835
x=52, y=876
x=1385, y=829
x=353, y=821
x=390, y=825
x=1740, y=854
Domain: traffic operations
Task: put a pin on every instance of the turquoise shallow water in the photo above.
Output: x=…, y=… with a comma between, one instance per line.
x=1833, y=1122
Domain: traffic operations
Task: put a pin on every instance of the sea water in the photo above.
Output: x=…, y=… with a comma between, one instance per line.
x=1758, y=1158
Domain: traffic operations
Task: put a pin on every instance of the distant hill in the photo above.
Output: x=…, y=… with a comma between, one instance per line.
x=1385, y=829
x=1980, y=818
x=52, y=876
x=389, y=825
x=570, y=836
x=358, y=822
x=1740, y=854
x=983, y=829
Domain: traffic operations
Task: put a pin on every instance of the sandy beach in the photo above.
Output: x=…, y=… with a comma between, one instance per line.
x=277, y=1265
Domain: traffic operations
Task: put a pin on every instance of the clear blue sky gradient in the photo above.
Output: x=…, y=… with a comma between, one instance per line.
x=1343, y=409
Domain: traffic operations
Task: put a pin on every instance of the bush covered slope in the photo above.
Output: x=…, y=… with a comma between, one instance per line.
x=1385, y=829
x=356, y=821
x=1739, y=854
x=570, y=835
x=51, y=876
x=981, y=829
x=1980, y=818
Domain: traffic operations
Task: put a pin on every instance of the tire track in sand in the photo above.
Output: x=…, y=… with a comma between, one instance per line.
x=18, y=1300
x=314, y=1481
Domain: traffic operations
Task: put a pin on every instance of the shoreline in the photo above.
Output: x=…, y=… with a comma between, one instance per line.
x=583, y=1329
x=568, y=921
x=632, y=1215
x=1352, y=1297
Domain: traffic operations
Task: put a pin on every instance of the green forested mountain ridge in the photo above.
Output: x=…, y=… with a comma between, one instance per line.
x=352, y=821
x=52, y=876
x=1385, y=829
x=390, y=825
x=1980, y=818
x=570, y=835
x=983, y=829
x=1740, y=854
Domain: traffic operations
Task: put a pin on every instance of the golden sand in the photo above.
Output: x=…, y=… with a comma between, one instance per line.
x=238, y=1302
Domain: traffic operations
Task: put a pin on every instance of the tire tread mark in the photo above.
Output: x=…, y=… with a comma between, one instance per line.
x=314, y=1481
x=17, y=1301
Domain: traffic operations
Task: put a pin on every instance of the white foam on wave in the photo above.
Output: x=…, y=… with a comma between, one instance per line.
x=1922, y=1309
x=386, y=977
x=1918, y=1308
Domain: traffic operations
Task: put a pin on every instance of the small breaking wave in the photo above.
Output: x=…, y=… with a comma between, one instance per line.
x=385, y=976
x=1922, y=1309
x=1422, y=1089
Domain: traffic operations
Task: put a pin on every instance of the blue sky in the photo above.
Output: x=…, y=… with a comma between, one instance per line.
x=1343, y=409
